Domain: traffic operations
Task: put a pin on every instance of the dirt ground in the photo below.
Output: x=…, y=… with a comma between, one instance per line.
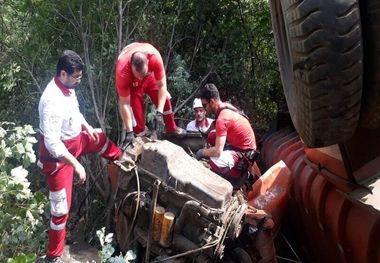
x=77, y=250
x=80, y=252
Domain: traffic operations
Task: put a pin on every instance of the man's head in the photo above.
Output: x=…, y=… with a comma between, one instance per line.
x=210, y=98
x=199, y=111
x=139, y=63
x=69, y=69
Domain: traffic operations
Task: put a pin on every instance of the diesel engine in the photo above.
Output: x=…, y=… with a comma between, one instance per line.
x=171, y=208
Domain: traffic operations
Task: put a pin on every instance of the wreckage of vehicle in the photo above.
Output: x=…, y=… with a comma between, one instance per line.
x=171, y=208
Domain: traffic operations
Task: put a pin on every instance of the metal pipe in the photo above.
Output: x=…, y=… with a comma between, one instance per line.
x=156, y=187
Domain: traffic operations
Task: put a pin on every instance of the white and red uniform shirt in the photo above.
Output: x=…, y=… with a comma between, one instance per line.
x=60, y=118
x=195, y=125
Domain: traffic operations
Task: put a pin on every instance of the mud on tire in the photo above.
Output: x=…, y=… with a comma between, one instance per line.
x=319, y=47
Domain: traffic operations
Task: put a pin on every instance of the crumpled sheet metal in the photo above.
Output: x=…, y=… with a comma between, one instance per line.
x=271, y=191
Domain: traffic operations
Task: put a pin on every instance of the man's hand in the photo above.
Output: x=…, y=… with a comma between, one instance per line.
x=93, y=134
x=79, y=170
x=129, y=140
x=158, y=124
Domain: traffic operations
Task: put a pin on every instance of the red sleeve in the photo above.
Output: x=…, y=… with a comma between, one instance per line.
x=156, y=65
x=123, y=78
x=221, y=126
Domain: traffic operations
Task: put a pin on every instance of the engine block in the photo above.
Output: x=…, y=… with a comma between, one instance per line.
x=204, y=211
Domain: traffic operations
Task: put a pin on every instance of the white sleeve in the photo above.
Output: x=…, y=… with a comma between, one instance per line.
x=52, y=121
x=191, y=126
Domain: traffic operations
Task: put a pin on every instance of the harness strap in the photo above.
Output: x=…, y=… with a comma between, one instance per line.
x=230, y=107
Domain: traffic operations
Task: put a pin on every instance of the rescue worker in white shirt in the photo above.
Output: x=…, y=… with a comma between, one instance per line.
x=65, y=135
x=201, y=122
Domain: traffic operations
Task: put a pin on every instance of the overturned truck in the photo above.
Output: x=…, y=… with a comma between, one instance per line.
x=171, y=208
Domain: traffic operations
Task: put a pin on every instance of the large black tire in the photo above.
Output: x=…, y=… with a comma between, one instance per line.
x=319, y=48
x=370, y=115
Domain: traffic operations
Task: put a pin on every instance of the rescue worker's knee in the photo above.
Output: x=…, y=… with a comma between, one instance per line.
x=58, y=203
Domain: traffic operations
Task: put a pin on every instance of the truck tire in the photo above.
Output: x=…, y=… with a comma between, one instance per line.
x=370, y=115
x=319, y=48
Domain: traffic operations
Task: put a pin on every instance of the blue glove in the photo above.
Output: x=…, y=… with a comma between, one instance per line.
x=199, y=154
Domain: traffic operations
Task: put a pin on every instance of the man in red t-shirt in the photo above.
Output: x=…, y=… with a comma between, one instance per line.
x=139, y=71
x=233, y=138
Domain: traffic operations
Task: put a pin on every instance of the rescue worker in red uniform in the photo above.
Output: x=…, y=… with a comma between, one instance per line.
x=140, y=70
x=65, y=135
x=233, y=140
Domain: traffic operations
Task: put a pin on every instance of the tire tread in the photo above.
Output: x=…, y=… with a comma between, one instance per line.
x=327, y=68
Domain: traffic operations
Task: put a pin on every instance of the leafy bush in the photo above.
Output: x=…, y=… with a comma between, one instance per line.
x=107, y=252
x=21, y=229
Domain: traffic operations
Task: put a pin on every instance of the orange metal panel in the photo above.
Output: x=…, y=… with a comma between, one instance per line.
x=328, y=157
x=266, y=151
x=270, y=191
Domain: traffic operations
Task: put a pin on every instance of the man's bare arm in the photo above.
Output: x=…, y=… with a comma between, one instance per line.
x=78, y=168
x=216, y=150
x=162, y=94
x=125, y=113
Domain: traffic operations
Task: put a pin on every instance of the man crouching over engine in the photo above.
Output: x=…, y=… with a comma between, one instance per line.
x=233, y=143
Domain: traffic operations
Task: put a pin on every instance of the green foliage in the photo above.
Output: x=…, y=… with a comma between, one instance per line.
x=181, y=85
x=8, y=77
x=179, y=79
x=106, y=254
x=21, y=229
x=22, y=258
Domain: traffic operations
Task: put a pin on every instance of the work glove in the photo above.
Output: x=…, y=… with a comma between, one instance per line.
x=129, y=140
x=158, y=123
x=199, y=154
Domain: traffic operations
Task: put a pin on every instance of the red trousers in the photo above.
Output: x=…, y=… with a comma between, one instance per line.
x=60, y=182
x=149, y=87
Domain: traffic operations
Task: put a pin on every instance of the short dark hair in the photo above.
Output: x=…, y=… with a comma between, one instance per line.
x=209, y=91
x=69, y=61
x=138, y=60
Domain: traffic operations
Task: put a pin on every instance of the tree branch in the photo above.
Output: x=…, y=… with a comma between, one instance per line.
x=171, y=45
x=192, y=95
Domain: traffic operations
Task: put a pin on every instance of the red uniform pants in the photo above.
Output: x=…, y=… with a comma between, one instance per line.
x=149, y=87
x=60, y=182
